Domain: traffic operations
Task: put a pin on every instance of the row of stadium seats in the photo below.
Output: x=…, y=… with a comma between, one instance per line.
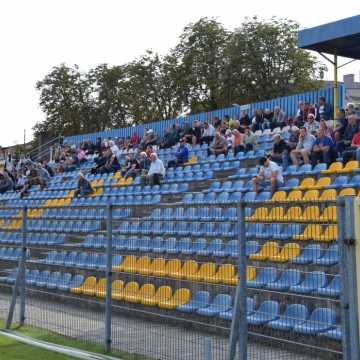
x=85, y=213
x=32, y=238
x=296, y=317
x=63, y=225
x=147, y=190
x=118, y=200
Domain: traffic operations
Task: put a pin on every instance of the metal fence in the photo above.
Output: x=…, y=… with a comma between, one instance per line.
x=181, y=281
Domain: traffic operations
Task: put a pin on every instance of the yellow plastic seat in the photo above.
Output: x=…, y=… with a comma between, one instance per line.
x=100, y=288
x=311, y=195
x=180, y=297
x=157, y=267
x=306, y=183
x=226, y=274
x=276, y=213
x=128, y=265
x=189, y=267
x=250, y=273
x=329, y=214
x=278, y=196
x=333, y=168
x=349, y=167
x=172, y=267
x=259, y=214
x=294, y=213
x=117, y=289
x=163, y=293
x=294, y=195
x=328, y=195
x=143, y=265
x=322, y=182
x=88, y=285
x=288, y=252
x=311, y=231
x=206, y=270
x=146, y=291
x=131, y=289
x=270, y=248
x=329, y=234
x=310, y=213
x=347, y=192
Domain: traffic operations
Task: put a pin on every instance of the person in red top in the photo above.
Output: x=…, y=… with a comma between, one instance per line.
x=354, y=150
x=135, y=139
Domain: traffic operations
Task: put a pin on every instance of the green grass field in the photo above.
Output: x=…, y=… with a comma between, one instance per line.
x=13, y=350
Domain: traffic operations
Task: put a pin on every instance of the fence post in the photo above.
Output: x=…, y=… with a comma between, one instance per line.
x=108, y=308
x=238, y=325
x=347, y=212
x=23, y=260
x=208, y=348
x=20, y=279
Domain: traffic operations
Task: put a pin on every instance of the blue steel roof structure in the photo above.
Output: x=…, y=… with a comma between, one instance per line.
x=340, y=38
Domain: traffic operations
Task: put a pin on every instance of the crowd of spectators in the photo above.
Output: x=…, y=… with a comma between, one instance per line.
x=311, y=136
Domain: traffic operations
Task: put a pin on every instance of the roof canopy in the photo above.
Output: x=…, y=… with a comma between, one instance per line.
x=340, y=37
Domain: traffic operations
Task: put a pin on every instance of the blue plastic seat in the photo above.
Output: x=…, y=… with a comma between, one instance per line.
x=250, y=308
x=198, y=245
x=334, y=334
x=264, y=196
x=290, y=230
x=184, y=245
x=171, y=246
x=312, y=282
x=70, y=259
x=339, y=182
x=221, y=303
x=294, y=314
x=75, y=282
x=252, y=247
x=42, y=278
x=264, y=277
x=215, y=186
x=158, y=245
x=63, y=282
x=229, y=214
x=308, y=255
x=144, y=244
x=31, y=277
x=290, y=184
x=354, y=182
x=332, y=289
x=303, y=169
x=249, y=196
x=329, y=257
x=254, y=230
x=183, y=228
x=132, y=243
x=215, y=245
x=317, y=169
x=291, y=169
x=222, y=198
x=229, y=249
x=268, y=311
x=60, y=257
x=320, y=320
x=287, y=279
x=53, y=280
x=199, y=300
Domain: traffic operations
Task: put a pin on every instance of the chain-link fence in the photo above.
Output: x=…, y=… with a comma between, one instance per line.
x=162, y=280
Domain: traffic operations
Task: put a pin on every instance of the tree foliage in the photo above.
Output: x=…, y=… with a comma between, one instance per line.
x=210, y=67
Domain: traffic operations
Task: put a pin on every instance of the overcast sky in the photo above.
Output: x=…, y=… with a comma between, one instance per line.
x=39, y=34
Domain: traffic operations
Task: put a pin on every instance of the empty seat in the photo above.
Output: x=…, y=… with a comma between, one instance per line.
x=329, y=257
x=308, y=255
x=332, y=289
x=189, y=267
x=329, y=234
x=88, y=286
x=333, y=168
x=310, y=213
x=267, y=311
x=306, y=183
x=225, y=274
x=329, y=214
x=130, y=291
x=270, y=248
x=100, y=288
x=163, y=293
x=157, y=267
x=311, y=232
x=350, y=166
x=320, y=320
x=221, y=303
x=180, y=297
x=287, y=279
x=328, y=195
x=200, y=299
x=206, y=270
x=287, y=253
x=311, y=282
x=264, y=277
x=294, y=314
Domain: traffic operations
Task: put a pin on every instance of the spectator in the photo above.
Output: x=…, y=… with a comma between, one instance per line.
x=218, y=146
x=6, y=183
x=353, y=152
x=350, y=109
x=343, y=142
x=229, y=139
x=111, y=164
x=194, y=134
x=150, y=138
x=341, y=122
x=83, y=186
x=311, y=125
x=33, y=178
x=249, y=140
x=324, y=110
x=303, y=147
x=144, y=162
x=135, y=138
x=156, y=171
x=280, y=152
x=49, y=169
x=327, y=129
x=279, y=119
x=149, y=150
x=244, y=119
x=208, y=133
x=270, y=175
x=323, y=149
x=237, y=141
x=257, y=120
x=267, y=120
x=216, y=122
x=132, y=167
x=182, y=155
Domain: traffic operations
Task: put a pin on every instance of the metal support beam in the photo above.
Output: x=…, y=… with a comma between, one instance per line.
x=336, y=88
x=108, y=306
x=23, y=260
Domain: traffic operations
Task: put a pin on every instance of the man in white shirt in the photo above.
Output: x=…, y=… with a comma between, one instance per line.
x=303, y=147
x=156, y=171
x=270, y=175
x=208, y=133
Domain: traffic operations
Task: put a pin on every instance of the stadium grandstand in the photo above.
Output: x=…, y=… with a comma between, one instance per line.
x=160, y=215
